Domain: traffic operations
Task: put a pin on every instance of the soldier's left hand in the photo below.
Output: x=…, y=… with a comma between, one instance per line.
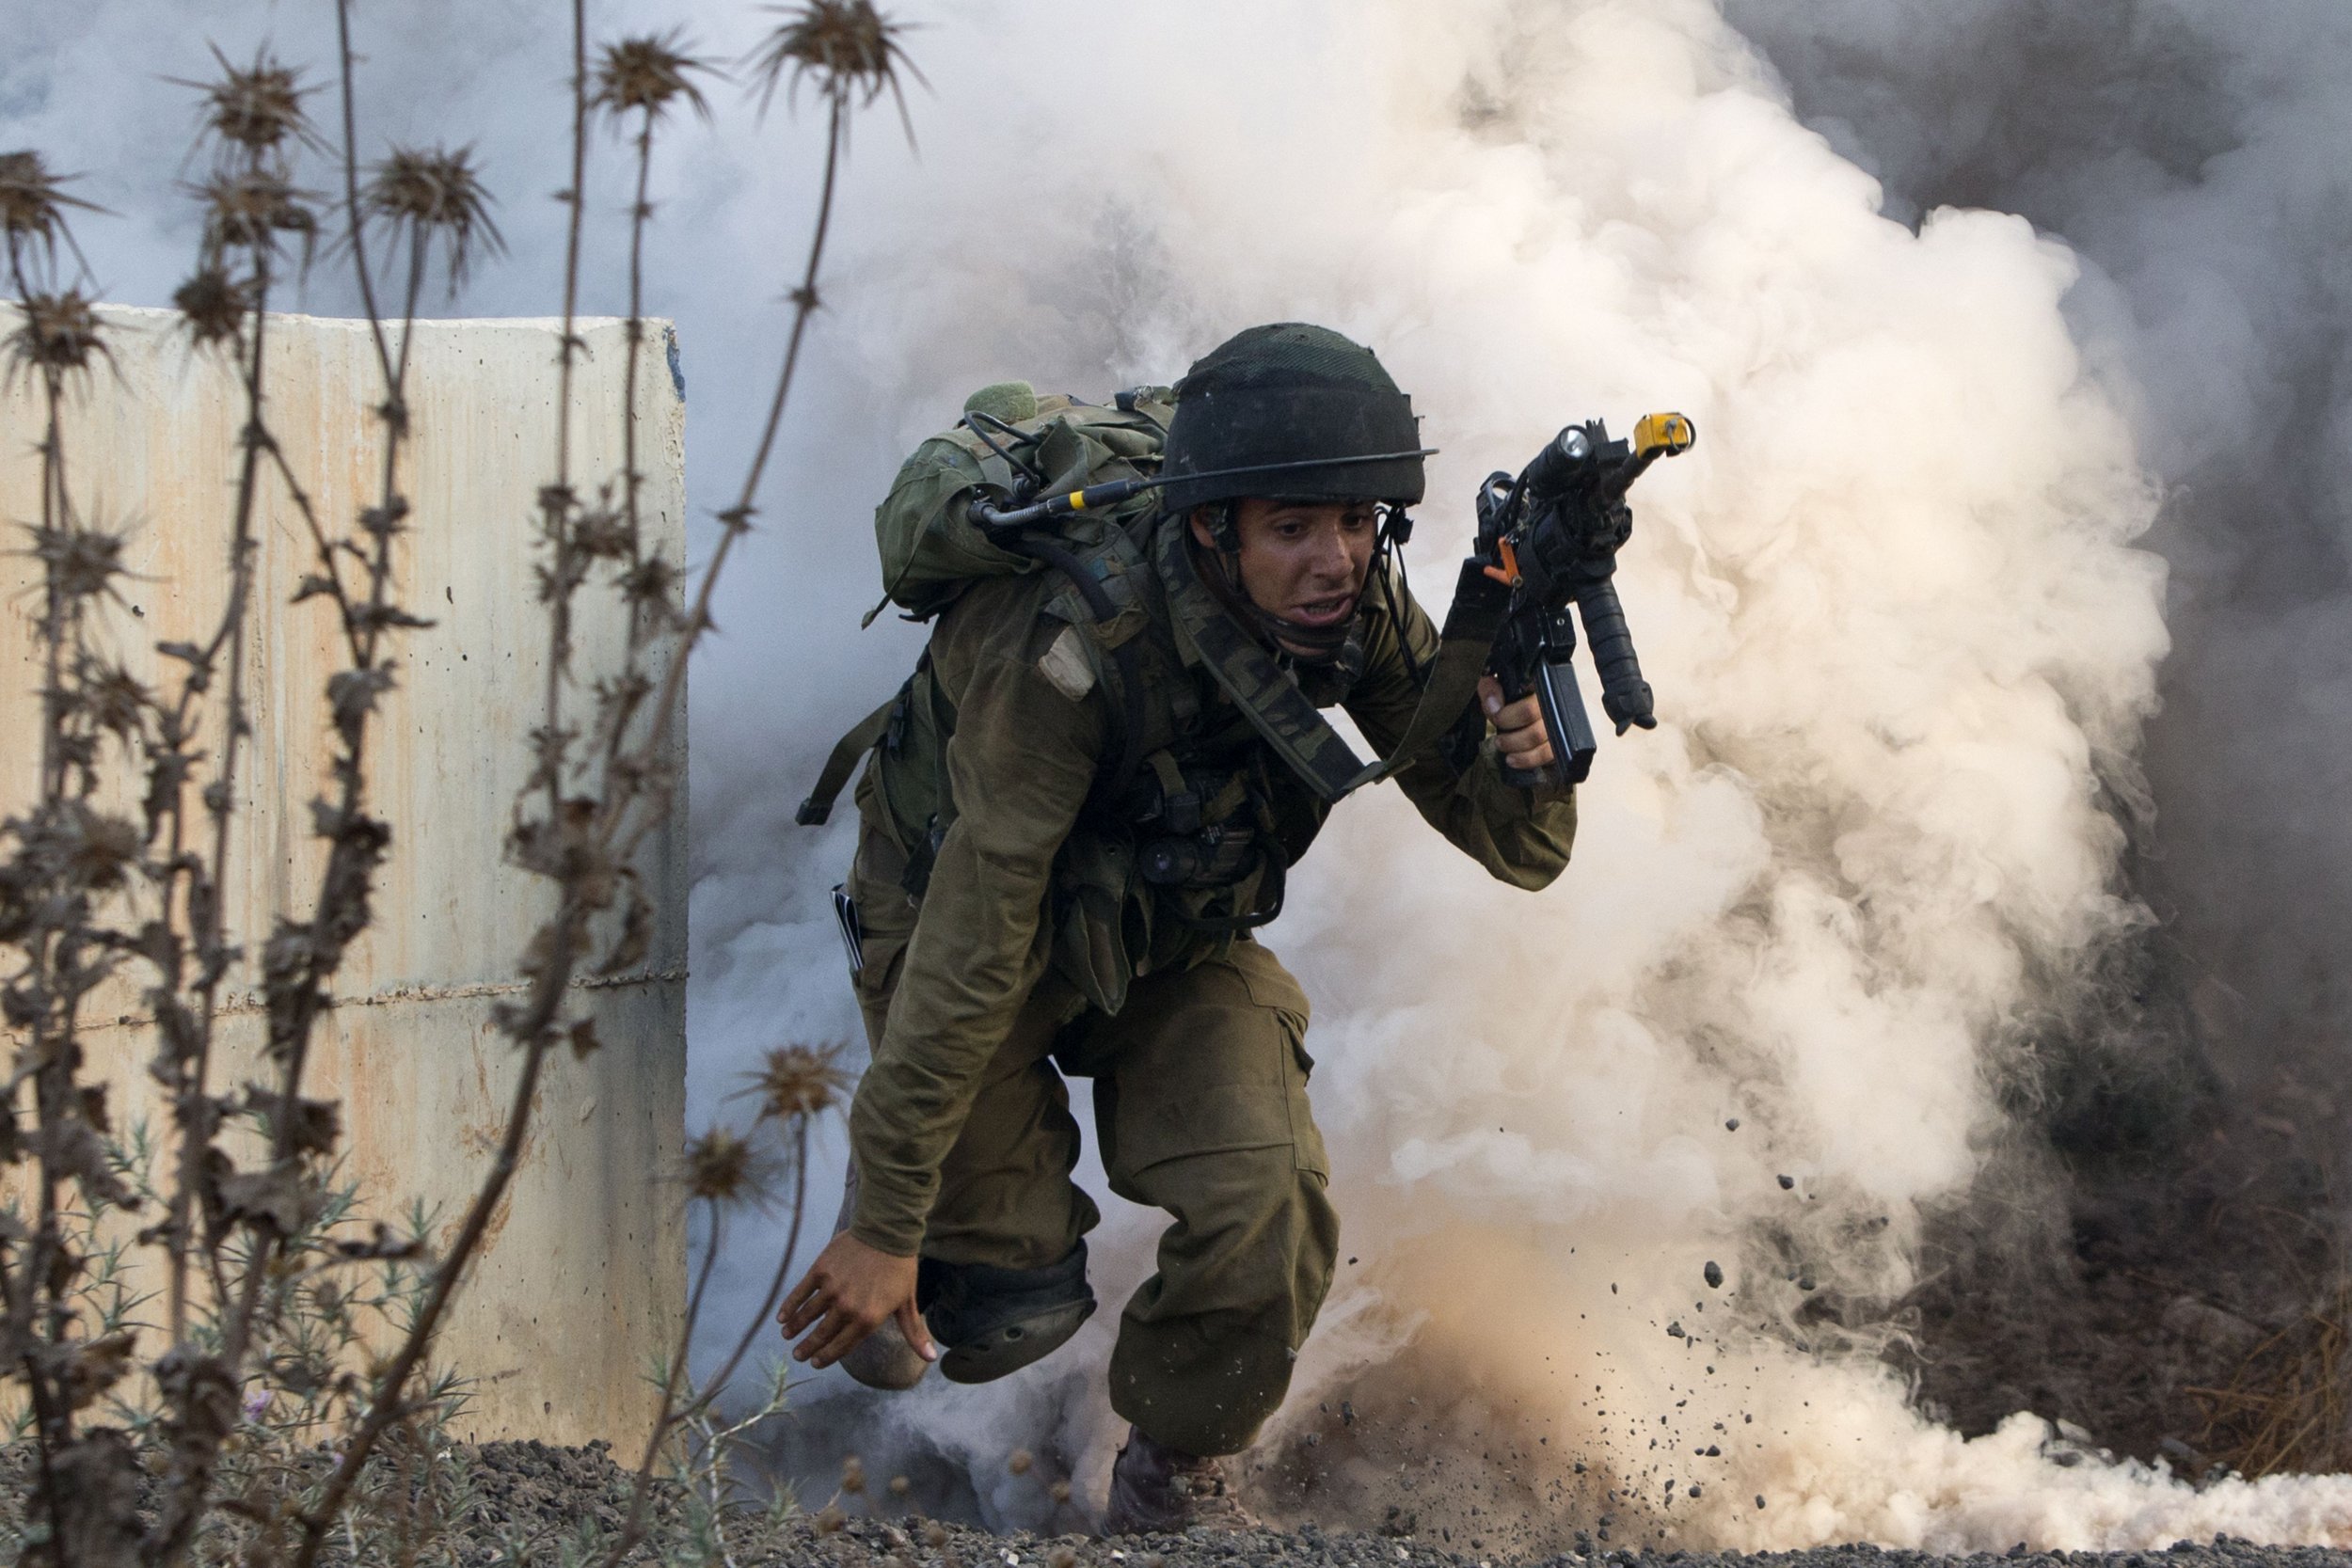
x=1519, y=733
x=846, y=1295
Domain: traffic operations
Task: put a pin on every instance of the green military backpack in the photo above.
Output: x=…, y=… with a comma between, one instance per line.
x=1013, y=442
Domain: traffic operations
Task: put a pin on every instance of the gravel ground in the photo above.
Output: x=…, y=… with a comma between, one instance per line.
x=552, y=1490
x=531, y=1504
x=869, y=1543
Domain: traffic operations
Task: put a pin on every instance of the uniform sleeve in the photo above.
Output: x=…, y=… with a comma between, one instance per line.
x=1521, y=836
x=1019, y=765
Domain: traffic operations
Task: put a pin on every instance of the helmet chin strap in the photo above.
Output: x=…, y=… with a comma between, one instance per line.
x=1308, y=644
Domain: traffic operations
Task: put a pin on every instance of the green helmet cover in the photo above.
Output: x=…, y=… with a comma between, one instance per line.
x=1291, y=393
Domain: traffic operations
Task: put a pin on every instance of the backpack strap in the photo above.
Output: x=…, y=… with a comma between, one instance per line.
x=1105, y=609
x=847, y=752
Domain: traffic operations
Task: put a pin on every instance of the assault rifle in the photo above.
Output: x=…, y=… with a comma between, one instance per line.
x=1552, y=537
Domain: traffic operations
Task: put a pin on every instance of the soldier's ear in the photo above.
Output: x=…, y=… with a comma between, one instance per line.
x=1203, y=532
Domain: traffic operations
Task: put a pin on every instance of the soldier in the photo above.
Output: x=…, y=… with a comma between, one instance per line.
x=1067, y=837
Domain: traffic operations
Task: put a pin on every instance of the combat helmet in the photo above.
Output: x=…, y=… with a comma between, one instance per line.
x=1301, y=412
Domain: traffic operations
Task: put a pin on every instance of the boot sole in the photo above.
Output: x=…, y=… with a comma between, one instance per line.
x=1004, y=1351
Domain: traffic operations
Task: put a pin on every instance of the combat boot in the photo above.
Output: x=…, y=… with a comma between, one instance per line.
x=992, y=1322
x=1157, y=1490
x=883, y=1359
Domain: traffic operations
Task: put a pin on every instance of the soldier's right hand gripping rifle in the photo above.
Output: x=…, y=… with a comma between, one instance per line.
x=1552, y=537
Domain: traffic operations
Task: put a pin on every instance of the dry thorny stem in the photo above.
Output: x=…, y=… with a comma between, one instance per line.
x=257, y=1334
x=85, y=893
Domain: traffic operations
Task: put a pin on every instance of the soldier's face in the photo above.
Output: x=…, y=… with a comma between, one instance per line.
x=1303, y=561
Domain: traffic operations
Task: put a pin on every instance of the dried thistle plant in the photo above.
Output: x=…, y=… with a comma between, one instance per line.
x=57, y=333
x=647, y=75
x=263, y=1213
x=213, y=307
x=249, y=210
x=255, y=111
x=65, y=862
x=794, y=1083
x=33, y=204
x=260, y=1331
x=586, y=810
x=424, y=195
x=722, y=1167
x=78, y=563
x=846, y=48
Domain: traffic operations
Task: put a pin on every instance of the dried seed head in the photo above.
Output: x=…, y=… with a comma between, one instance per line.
x=113, y=699
x=213, y=307
x=434, y=192
x=250, y=210
x=854, y=1475
x=935, y=1535
x=1059, y=1491
x=95, y=849
x=603, y=530
x=32, y=208
x=651, y=588
x=258, y=109
x=648, y=74
x=722, y=1167
x=849, y=49
x=60, y=333
x=1019, y=1462
x=829, y=1520
x=796, y=1082
x=900, y=1486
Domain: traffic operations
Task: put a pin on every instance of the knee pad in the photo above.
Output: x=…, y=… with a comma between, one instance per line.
x=990, y=1321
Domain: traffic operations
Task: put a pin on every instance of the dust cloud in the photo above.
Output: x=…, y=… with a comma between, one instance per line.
x=2189, y=154
x=1900, y=605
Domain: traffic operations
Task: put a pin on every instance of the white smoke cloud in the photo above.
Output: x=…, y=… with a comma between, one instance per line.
x=2189, y=151
x=1892, y=604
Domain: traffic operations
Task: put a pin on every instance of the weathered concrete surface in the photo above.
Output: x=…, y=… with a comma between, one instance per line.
x=583, y=1283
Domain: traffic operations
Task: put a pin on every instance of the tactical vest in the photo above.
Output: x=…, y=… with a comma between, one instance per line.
x=1220, y=769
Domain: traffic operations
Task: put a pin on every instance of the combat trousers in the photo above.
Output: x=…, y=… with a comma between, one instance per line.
x=1200, y=1108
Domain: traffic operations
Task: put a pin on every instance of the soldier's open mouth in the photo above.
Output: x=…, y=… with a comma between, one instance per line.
x=1324, y=612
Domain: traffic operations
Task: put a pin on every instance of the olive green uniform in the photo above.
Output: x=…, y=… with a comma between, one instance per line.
x=961, y=1128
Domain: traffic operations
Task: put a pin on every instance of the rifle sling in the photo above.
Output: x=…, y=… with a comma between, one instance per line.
x=1463, y=649
x=1276, y=708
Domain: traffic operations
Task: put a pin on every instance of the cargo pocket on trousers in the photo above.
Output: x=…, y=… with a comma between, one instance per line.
x=1272, y=987
x=1305, y=1137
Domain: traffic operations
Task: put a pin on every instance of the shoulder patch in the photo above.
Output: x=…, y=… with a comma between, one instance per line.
x=1067, y=666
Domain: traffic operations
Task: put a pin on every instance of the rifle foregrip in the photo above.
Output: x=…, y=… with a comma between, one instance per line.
x=1625, y=696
